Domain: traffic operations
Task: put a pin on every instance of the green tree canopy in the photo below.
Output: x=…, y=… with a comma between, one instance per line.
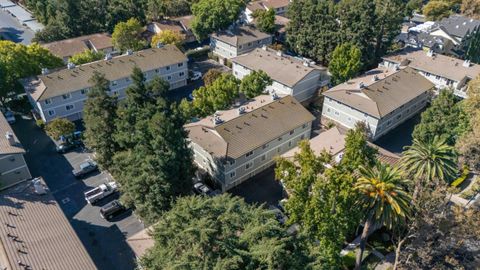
x=18, y=61
x=99, y=118
x=265, y=20
x=211, y=75
x=345, y=63
x=445, y=117
x=86, y=56
x=167, y=37
x=222, y=232
x=473, y=47
x=255, y=83
x=214, y=15
x=357, y=150
x=436, y=10
x=157, y=9
x=471, y=8
x=58, y=127
x=127, y=35
x=217, y=96
x=320, y=200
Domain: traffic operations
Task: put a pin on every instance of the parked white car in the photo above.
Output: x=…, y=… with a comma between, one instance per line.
x=100, y=192
x=196, y=75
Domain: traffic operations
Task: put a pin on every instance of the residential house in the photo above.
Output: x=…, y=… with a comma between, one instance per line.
x=66, y=48
x=280, y=7
x=382, y=98
x=237, y=41
x=180, y=25
x=62, y=93
x=300, y=78
x=332, y=141
x=422, y=40
x=35, y=234
x=236, y=144
x=443, y=71
x=13, y=168
x=455, y=28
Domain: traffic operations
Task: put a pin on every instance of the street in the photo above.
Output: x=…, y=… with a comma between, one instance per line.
x=12, y=29
x=105, y=241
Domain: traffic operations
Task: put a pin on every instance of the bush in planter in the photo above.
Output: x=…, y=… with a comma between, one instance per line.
x=462, y=177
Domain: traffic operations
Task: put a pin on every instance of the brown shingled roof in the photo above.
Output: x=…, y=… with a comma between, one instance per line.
x=68, y=47
x=34, y=232
x=67, y=80
x=5, y=147
x=240, y=35
x=390, y=90
x=281, y=68
x=253, y=129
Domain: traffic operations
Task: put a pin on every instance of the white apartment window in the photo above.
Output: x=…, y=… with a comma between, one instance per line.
x=249, y=154
x=168, y=68
x=389, y=122
x=304, y=126
x=366, y=115
x=279, y=139
x=51, y=112
x=264, y=157
x=292, y=131
x=289, y=143
x=249, y=165
x=279, y=149
x=157, y=70
x=249, y=44
x=302, y=137
x=232, y=174
x=12, y=159
x=328, y=110
x=240, y=47
x=69, y=107
x=66, y=96
x=113, y=83
x=337, y=113
x=48, y=101
x=115, y=93
x=84, y=91
x=232, y=162
x=181, y=74
x=265, y=146
x=180, y=64
x=258, y=42
x=169, y=78
x=399, y=116
x=127, y=79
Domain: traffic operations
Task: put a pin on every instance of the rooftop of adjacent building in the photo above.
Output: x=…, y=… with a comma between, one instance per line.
x=34, y=232
x=265, y=4
x=437, y=64
x=380, y=91
x=458, y=25
x=333, y=142
x=9, y=143
x=68, y=47
x=285, y=69
x=237, y=131
x=240, y=35
x=67, y=80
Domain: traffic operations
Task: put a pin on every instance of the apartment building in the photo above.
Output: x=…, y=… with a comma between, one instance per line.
x=280, y=7
x=180, y=25
x=455, y=28
x=236, y=144
x=300, y=78
x=62, y=93
x=239, y=40
x=35, y=233
x=443, y=71
x=13, y=168
x=332, y=141
x=382, y=98
x=66, y=48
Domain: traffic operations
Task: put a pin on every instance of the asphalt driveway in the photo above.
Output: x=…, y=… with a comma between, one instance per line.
x=105, y=241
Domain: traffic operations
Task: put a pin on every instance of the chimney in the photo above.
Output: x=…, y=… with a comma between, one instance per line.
x=361, y=85
x=217, y=120
x=279, y=53
x=264, y=47
x=430, y=53
x=70, y=65
x=274, y=96
x=466, y=63
x=44, y=71
x=375, y=78
x=10, y=138
x=305, y=63
x=108, y=56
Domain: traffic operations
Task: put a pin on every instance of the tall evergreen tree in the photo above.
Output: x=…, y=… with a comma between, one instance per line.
x=389, y=16
x=313, y=29
x=473, y=47
x=99, y=117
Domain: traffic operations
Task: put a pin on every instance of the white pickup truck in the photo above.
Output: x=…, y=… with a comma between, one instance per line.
x=100, y=192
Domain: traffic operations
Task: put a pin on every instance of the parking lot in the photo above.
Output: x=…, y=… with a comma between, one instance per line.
x=105, y=241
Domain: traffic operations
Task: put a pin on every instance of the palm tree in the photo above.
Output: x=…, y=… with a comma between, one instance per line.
x=384, y=198
x=429, y=161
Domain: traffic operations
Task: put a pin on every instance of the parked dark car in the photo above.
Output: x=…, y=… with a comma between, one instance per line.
x=68, y=146
x=85, y=168
x=112, y=209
